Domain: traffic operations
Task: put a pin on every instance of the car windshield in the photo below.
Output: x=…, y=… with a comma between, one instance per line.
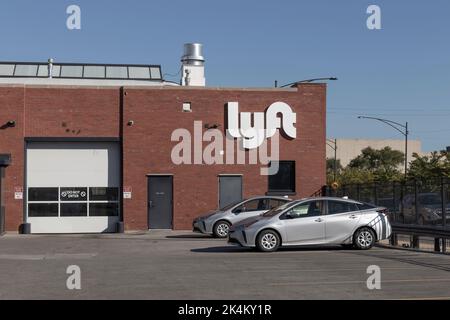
x=430, y=199
x=231, y=205
x=277, y=210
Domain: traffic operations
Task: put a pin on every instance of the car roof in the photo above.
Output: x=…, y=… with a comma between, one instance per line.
x=330, y=198
x=268, y=197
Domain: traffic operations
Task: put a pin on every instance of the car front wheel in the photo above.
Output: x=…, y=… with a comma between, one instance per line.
x=268, y=241
x=221, y=229
x=364, y=239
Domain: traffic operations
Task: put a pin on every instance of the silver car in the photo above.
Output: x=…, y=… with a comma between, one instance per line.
x=219, y=222
x=314, y=221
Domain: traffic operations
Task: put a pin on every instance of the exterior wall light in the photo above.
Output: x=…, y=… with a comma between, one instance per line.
x=9, y=124
x=211, y=126
x=187, y=107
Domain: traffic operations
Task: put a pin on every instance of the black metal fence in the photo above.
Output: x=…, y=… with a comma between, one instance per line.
x=417, y=208
x=411, y=202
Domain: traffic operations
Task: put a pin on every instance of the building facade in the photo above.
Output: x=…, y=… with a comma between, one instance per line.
x=348, y=149
x=92, y=155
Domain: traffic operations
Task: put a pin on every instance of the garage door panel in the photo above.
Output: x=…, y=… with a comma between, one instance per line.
x=72, y=225
x=73, y=187
x=83, y=164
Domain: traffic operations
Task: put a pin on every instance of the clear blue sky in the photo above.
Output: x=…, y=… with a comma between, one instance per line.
x=401, y=72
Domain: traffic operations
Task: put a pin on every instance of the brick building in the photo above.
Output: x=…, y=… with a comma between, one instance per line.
x=92, y=151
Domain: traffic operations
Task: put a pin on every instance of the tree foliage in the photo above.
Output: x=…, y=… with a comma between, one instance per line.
x=371, y=165
x=426, y=167
x=386, y=165
x=330, y=169
x=385, y=159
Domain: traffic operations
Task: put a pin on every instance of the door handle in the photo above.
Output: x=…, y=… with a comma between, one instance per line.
x=318, y=220
x=353, y=216
x=150, y=204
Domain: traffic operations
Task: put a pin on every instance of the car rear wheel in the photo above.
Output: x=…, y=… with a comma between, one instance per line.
x=268, y=241
x=364, y=239
x=221, y=229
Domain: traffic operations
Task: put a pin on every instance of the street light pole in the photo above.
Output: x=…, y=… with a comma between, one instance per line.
x=402, y=128
x=406, y=149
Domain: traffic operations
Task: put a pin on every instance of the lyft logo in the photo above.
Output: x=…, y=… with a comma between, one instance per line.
x=264, y=126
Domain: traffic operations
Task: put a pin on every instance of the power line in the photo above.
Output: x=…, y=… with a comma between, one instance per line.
x=395, y=114
x=395, y=108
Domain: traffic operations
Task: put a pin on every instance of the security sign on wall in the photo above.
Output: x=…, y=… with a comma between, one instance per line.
x=73, y=194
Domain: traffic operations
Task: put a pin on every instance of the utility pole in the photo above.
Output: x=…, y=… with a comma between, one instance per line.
x=335, y=156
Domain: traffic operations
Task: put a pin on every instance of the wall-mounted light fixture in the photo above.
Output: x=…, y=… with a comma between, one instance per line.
x=187, y=107
x=130, y=123
x=9, y=124
x=211, y=126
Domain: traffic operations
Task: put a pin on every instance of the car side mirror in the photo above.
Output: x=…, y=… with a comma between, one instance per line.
x=289, y=215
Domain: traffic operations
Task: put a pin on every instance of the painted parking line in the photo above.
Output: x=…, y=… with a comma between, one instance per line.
x=426, y=298
x=325, y=270
x=362, y=282
x=54, y=256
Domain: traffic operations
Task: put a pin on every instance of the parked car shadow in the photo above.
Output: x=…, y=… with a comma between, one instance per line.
x=223, y=249
x=192, y=236
x=231, y=248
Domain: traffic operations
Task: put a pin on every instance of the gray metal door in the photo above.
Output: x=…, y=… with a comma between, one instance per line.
x=160, y=211
x=230, y=190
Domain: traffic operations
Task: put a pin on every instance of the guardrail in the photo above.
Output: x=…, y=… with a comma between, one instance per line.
x=440, y=235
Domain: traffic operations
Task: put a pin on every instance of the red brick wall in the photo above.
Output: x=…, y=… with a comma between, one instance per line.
x=50, y=112
x=156, y=112
x=11, y=141
x=72, y=112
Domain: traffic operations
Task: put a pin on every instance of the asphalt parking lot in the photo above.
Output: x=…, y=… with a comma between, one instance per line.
x=183, y=265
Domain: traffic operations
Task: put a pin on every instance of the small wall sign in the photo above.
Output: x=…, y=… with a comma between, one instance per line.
x=127, y=192
x=73, y=194
x=18, y=193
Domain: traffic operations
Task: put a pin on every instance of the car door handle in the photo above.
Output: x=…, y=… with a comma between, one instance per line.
x=353, y=216
x=318, y=220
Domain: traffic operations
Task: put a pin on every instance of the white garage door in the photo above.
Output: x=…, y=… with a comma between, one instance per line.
x=72, y=187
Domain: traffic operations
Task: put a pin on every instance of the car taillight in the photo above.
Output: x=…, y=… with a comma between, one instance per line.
x=386, y=213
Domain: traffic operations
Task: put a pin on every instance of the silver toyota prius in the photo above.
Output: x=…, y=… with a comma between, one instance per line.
x=314, y=221
x=218, y=222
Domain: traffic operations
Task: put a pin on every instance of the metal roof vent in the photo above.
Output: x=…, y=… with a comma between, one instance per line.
x=193, y=54
x=193, y=65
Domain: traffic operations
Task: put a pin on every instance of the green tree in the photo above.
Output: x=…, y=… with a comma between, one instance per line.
x=437, y=164
x=383, y=164
x=351, y=175
x=330, y=169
